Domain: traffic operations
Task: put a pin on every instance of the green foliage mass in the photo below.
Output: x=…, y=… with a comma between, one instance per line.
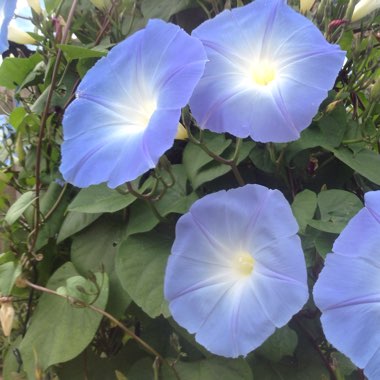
x=84, y=269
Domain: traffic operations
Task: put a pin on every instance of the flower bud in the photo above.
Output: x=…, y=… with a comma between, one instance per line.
x=35, y=5
x=364, y=8
x=306, y=5
x=7, y=313
x=181, y=133
x=17, y=35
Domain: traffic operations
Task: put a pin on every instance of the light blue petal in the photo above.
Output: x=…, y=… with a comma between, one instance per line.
x=221, y=217
x=250, y=325
x=192, y=309
x=239, y=33
x=236, y=325
x=160, y=133
x=282, y=259
x=306, y=66
x=181, y=61
x=354, y=330
x=348, y=289
x=280, y=279
x=372, y=203
x=128, y=106
x=196, y=243
x=232, y=313
x=365, y=226
x=7, y=8
x=96, y=156
x=345, y=281
x=372, y=370
x=274, y=221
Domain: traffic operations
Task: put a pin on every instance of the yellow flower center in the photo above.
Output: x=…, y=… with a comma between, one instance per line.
x=147, y=110
x=244, y=264
x=263, y=73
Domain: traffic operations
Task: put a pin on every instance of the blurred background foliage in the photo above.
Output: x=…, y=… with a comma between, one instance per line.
x=81, y=271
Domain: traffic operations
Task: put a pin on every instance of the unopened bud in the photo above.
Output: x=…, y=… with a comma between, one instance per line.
x=181, y=133
x=306, y=5
x=331, y=107
x=7, y=314
x=17, y=35
x=363, y=8
x=35, y=5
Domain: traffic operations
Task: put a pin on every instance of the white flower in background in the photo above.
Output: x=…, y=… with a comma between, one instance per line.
x=363, y=8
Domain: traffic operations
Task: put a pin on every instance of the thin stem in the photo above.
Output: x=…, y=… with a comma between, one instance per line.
x=56, y=204
x=205, y=10
x=105, y=23
x=232, y=162
x=110, y=317
x=44, y=118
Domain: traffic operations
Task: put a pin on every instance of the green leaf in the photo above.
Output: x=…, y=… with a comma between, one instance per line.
x=141, y=218
x=17, y=116
x=94, y=249
x=176, y=198
x=60, y=97
x=140, y=266
x=211, y=369
x=79, y=288
x=9, y=272
x=99, y=199
x=163, y=9
x=13, y=71
x=324, y=243
x=336, y=207
x=48, y=205
x=201, y=168
x=365, y=162
x=216, y=169
x=303, y=207
x=333, y=125
x=85, y=64
x=17, y=209
x=75, y=222
x=194, y=158
x=60, y=331
x=261, y=158
x=75, y=52
x=342, y=364
x=306, y=365
x=283, y=342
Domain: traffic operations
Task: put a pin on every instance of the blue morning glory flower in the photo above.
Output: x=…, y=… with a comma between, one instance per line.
x=128, y=106
x=269, y=69
x=348, y=289
x=236, y=270
x=7, y=8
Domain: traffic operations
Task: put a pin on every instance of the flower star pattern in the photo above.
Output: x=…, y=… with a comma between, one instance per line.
x=128, y=106
x=236, y=270
x=7, y=8
x=348, y=289
x=269, y=69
